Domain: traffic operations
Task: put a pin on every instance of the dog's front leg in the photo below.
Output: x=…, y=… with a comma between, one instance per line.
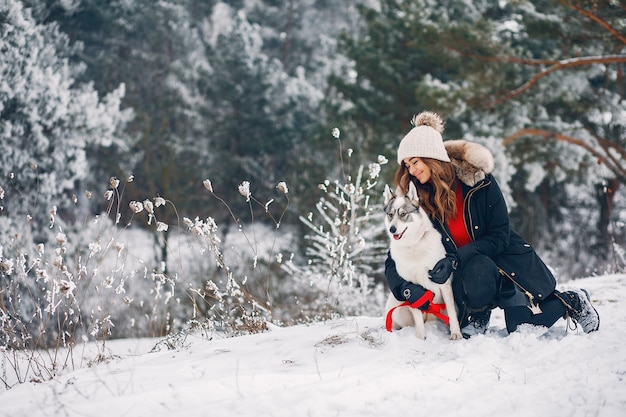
x=420, y=328
x=448, y=299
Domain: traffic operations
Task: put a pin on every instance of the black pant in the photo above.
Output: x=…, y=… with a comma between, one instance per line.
x=552, y=309
x=477, y=285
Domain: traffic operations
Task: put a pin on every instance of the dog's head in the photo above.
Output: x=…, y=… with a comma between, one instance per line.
x=403, y=213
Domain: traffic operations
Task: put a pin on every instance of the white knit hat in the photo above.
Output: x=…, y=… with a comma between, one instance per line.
x=424, y=140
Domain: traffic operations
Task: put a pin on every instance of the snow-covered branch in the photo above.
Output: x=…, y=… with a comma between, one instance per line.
x=558, y=66
x=605, y=158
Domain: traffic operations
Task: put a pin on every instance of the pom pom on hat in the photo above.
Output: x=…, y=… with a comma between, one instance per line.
x=424, y=140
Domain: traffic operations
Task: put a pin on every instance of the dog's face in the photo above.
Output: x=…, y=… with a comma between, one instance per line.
x=403, y=213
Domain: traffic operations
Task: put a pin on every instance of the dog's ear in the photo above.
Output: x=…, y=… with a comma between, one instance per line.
x=388, y=194
x=412, y=194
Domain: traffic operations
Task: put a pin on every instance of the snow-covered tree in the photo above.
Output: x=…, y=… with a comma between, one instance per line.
x=253, y=113
x=567, y=65
x=47, y=119
x=345, y=245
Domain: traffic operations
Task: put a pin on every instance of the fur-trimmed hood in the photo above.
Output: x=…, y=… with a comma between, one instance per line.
x=471, y=161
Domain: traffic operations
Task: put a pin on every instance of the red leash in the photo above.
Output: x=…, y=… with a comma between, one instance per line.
x=434, y=309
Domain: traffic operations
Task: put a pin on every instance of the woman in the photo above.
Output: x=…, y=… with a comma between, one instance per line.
x=493, y=265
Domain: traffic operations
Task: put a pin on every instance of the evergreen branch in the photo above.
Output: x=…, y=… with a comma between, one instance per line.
x=609, y=145
x=595, y=18
x=505, y=59
x=617, y=169
x=558, y=66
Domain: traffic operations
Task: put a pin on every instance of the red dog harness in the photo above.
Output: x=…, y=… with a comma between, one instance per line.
x=434, y=309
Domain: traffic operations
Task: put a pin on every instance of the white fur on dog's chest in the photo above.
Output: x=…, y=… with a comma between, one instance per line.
x=414, y=261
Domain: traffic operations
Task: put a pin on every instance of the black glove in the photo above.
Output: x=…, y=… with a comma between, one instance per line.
x=443, y=269
x=465, y=253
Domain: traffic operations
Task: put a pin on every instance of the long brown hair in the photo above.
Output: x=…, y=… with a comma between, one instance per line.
x=437, y=196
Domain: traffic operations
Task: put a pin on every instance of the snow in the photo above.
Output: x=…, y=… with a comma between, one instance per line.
x=353, y=367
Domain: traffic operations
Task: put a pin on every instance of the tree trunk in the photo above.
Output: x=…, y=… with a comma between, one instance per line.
x=605, y=195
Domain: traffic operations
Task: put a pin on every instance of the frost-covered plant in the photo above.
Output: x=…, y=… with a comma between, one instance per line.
x=54, y=296
x=345, y=248
x=229, y=304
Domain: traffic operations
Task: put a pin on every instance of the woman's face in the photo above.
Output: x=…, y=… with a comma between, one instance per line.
x=418, y=169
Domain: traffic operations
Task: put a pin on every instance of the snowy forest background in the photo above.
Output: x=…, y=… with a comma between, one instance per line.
x=186, y=164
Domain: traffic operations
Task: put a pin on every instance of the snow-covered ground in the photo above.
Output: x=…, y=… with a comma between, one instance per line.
x=353, y=367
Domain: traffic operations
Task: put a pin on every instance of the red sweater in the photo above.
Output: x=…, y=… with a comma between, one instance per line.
x=457, y=226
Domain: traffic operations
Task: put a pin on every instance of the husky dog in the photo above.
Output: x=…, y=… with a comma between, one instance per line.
x=415, y=247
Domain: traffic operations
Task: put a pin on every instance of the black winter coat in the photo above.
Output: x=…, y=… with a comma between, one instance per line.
x=487, y=221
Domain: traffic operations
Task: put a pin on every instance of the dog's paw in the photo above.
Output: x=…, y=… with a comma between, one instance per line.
x=456, y=336
x=420, y=335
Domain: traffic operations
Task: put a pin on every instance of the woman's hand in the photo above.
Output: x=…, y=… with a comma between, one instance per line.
x=443, y=269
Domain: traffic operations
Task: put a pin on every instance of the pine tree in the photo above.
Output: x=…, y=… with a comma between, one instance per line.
x=48, y=120
x=254, y=113
x=569, y=126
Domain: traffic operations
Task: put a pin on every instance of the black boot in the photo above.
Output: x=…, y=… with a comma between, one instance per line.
x=478, y=322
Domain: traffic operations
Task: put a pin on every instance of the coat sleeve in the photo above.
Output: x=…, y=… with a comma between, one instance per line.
x=488, y=224
x=402, y=289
